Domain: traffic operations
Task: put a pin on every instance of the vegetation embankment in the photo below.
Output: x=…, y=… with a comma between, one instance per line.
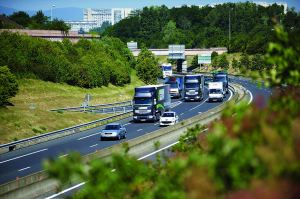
x=30, y=115
x=86, y=64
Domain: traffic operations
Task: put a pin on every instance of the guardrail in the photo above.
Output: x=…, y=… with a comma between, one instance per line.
x=95, y=107
x=59, y=133
x=39, y=182
x=126, y=111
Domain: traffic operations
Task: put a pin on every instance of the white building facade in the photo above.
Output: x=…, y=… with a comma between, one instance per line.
x=93, y=18
x=120, y=13
x=86, y=26
x=97, y=15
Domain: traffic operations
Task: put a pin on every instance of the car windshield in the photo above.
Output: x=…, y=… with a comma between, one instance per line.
x=220, y=79
x=112, y=127
x=168, y=115
x=142, y=100
x=191, y=85
x=215, y=91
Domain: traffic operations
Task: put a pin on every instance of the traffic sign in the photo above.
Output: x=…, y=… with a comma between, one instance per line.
x=204, y=59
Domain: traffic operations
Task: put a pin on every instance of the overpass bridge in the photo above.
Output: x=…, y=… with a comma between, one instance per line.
x=188, y=52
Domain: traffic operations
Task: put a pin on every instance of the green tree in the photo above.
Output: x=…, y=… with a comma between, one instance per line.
x=257, y=62
x=235, y=64
x=213, y=55
x=223, y=62
x=245, y=61
x=194, y=63
x=100, y=30
x=58, y=25
x=21, y=18
x=8, y=85
x=147, y=67
x=39, y=20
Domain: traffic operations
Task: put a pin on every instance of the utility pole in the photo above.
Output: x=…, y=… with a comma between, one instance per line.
x=51, y=11
x=229, y=30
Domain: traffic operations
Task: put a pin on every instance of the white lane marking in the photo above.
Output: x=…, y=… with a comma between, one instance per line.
x=198, y=105
x=156, y=124
x=251, y=97
x=174, y=104
x=139, y=130
x=88, y=136
x=24, y=169
x=154, y=152
x=63, y=155
x=66, y=190
x=181, y=113
x=23, y=156
x=199, y=112
x=94, y=145
x=230, y=95
x=126, y=124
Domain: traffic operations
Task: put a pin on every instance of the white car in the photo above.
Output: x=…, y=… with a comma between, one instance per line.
x=168, y=118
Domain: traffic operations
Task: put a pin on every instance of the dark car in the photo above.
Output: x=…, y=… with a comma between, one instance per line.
x=113, y=130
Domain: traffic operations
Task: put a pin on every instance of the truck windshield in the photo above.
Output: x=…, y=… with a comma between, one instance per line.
x=220, y=79
x=215, y=91
x=167, y=68
x=173, y=85
x=191, y=85
x=143, y=100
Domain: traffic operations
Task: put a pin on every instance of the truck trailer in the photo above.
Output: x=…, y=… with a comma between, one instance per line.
x=150, y=102
x=222, y=76
x=194, y=87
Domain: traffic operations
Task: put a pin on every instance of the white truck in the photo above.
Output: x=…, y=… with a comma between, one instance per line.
x=215, y=91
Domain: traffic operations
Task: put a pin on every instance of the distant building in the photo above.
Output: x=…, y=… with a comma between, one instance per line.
x=97, y=15
x=120, y=13
x=82, y=25
x=113, y=15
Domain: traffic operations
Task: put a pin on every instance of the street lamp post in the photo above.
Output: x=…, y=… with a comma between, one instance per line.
x=51, y=11
x=229, y=30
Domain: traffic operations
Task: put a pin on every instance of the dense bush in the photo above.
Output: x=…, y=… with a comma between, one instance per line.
x=8, y=85
x=87, y=63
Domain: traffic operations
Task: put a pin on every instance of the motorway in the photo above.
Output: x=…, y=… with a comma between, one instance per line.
x=28, y=160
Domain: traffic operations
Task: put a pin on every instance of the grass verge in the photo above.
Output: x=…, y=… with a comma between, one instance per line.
x=30, y=115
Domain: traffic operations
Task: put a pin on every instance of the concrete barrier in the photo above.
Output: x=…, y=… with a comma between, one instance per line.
x=38, y=183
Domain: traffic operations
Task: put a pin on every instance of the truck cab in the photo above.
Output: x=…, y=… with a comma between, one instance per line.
x=215, y=91
x=193, y=87
x=150, y=102
x=176, y=85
